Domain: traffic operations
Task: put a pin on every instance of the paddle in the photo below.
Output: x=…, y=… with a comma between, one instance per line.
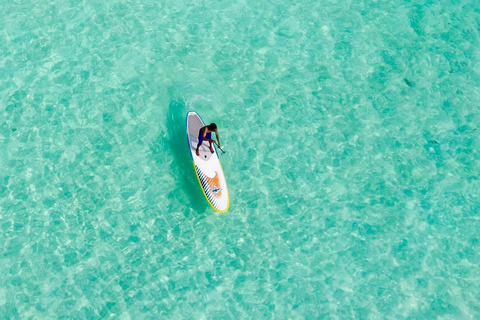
x=219, y=147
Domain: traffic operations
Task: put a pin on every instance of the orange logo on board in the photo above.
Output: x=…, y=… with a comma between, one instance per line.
x=214, y=185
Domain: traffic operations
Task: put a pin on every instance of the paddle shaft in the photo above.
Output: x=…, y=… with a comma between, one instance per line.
x=219, y=147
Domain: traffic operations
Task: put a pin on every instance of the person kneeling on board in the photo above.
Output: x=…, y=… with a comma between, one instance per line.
x=205, y=134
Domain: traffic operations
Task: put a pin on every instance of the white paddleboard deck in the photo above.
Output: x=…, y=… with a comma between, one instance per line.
x=207, y=166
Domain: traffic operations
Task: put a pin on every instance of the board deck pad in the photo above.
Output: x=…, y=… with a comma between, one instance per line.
x=207, y=166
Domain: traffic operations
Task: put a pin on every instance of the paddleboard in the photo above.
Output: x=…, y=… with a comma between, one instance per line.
x=207, y=166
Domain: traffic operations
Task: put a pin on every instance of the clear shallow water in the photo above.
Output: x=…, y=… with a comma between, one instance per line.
x=352, y=160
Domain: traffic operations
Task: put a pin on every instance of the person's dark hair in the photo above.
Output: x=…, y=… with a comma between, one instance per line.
x=212, y=127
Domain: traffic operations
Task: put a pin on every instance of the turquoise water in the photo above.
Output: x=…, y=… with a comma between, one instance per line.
x=352, y=159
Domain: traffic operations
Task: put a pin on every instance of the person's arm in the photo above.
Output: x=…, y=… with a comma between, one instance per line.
x=205, y=134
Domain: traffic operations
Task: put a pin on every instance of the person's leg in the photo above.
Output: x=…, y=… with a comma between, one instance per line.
x=198, y=152
x=200, y=141
x=209, y=136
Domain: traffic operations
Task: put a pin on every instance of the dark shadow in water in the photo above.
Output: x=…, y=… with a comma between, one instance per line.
x=183, y=164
